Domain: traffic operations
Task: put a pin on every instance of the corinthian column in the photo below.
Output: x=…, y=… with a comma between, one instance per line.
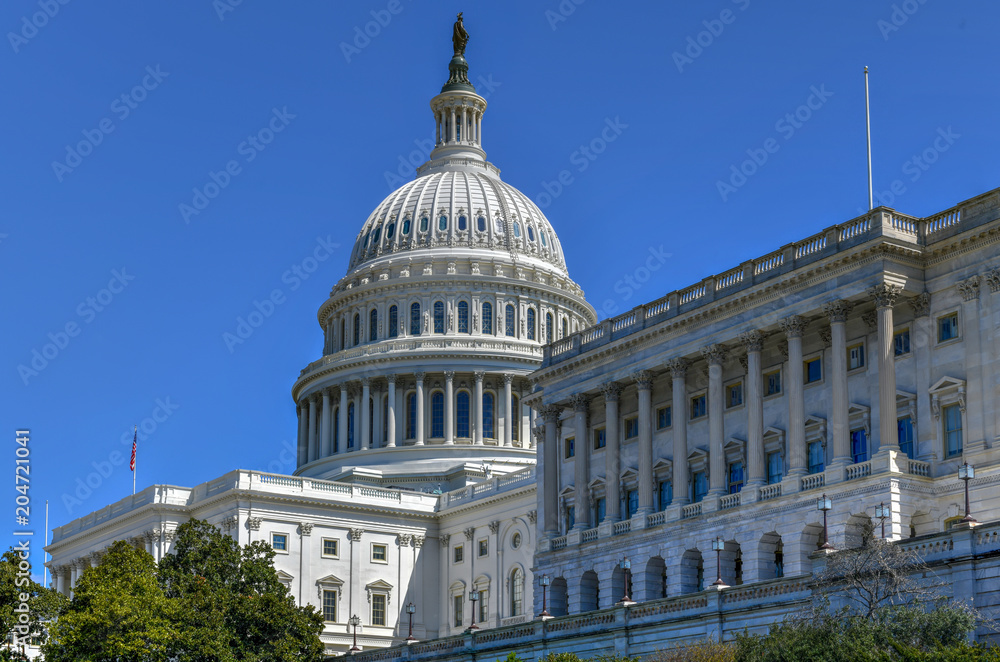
x=390, y=423
x=449, y=407
x=612, y=489
x=366, y=420
x=754, y=342
x=885, y=295
x=678, y=369
x=313, y=450
x=324, y=425
x=644, y=382
x=420, y=409
x=716, y=355
x=550, y=486
x=302, y=446
x=508, y=426
x=478, y=439
x=837, y=311
x=793, y=327
x=342, y=421
x=581, y=461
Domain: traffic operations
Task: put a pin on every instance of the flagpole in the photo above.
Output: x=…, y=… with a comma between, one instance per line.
x=45, y=568
x=868, y=126
x=135, y=446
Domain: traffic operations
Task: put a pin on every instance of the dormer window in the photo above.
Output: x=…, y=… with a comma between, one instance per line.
x=531, y=233
x=377, y=236
x=462, y=223
x=481, y=224
x=390, y=231
x=442, y=222
x=406, y=226
x=424, y=222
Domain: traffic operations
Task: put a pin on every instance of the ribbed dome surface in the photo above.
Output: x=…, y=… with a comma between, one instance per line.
x=455, y=207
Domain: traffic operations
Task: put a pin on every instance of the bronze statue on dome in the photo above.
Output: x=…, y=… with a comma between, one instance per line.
x=459, y=37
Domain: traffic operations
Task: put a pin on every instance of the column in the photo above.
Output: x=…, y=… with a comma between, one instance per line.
x=612, y=467
x=57, y=576
x=313, y=447
x=716, y=355
x=465, y=125
x=508, y=415
x=358, y=416
x=885, y=295
x=302, y=447
x=437, y=122
x=342, y=423
x=924, y=436
x=644, y=381
x=754, y=342
x=678, y=369
x=420, y=409
x=581, y=461
x=478, y=439
x=324, y=426
x=793, y=327
x=550, y=482
x=390, y=424
x=377, y=426
x=449, y=407
x=452, y=134
x=976, y=407
x=366, y=421
x=837, y=311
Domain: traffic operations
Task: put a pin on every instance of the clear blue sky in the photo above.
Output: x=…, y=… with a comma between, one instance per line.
x=554, y=81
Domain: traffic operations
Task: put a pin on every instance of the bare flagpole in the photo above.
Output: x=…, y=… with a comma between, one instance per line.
x=868, y=126
x=45, y=568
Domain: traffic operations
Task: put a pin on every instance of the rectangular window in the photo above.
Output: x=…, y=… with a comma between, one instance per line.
x=772, y=382
x=817, y=461
x=904, y=428
x=279, y=542
x=859, y=446
x=633, y=502
x=735, y=477
x=330, y=606
x=458, y=554
x=901, y=342
x=600, y=438
x=600, y=509
x=734, y=395
x=570, y=517
x=948, y=327
x=379, y=553
x=484, y=604
x=662, y=418
x=952, y=416
x=331, y=548
x=699, y=486
x=698, y=406
x=812, y=370
x=378, y=609
x=458, y=601
x=666, y=493
x=775, y=468
x=570, y=447
x=484, y=547
x=631, y=427
x=856, y=356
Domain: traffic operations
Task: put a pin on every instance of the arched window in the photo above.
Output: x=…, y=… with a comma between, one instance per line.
x=509, y=330
x=439, y=317
x=516, y=592
x=371, y=418
x=390, y=232
x=393, y=321
x=565, y=328
x=463, y=317
x=531, y=233
x=517, y=229
x=415, y=319
x=462, y=414
x=499, y=225
x=515, y=417
x=377, y=236
x=442, y=222
x=463, y=222
x=489, y=417
x=406, y=226
x=342, y=336
x=548, y=327
x=437, y=414
x=373, y=325
x=357, y=329
x=411, y=416
x=541, y=233
x=336, y=430
x=350, y=425
x=481, y=224
x=531, y=323
x=487, y=318
x=367, y=235
x=423, y=223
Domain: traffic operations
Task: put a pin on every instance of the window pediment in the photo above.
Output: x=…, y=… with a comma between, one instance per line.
x=379, y=586
x=947, y=390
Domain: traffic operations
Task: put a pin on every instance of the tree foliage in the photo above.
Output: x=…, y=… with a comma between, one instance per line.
x=43, y=604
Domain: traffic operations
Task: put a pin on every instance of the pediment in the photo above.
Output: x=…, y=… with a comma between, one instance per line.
x=567, y=491
x=332, y=580
x=855, y=409
x=947, y=383
x=379, y=585
x=284, y=577
x=596, y=483
x=629, y=474
x=773, y=432
x=698, y=454
x=662, y=465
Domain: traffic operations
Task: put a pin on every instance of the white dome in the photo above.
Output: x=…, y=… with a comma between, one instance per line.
x=458, y=203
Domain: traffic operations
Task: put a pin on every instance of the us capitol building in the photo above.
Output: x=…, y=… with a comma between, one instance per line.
x=472, y=431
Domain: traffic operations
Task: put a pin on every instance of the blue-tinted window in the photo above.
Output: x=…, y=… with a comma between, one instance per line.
x=463, y=222
x=600, y=509
x=442, y=222
x=510, y=321
x=699, y=486
x=390, y=231
x=734, y=395
x=462, y=414
x=415, y=319
x=570, y=447
x=859, y=446
x=487, y=318
x=631, y=428
x=488, y=417
x=662, y=418
x=531, y=323
x=406, y=227
x=772, y=383
x=373, y=325
x=735, y=477
x=541, y=233
x=357, y=329
x=904, y=428
x=666, y=494
x=548, y=328
x=531, y=233
x=439, y=317
x=813, y=370
x=517, y=229
x=633, y=502
x=948, y=327
x=570, y=518
x=393, y=321
x=817, y=459
x=423, y=223
x=377, y=236
x=775, y=468
x=600, y=438
x=481, y=223
x=411, y=416
x=279, y=542
x=437, y=414
x=350, y=425
x=698, y=406
x=463, y=317
x=336, y=430
x=952, y=430
x=901, y=342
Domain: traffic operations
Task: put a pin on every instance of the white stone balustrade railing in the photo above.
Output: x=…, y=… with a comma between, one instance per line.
x=729, y=501
x=813, y=481
x=770, y=492
x=859, y=470
x=656, y=519
x=691, y=510
x=558, y=543
x=589, y=535
x=621, y=527
x=919, y=468
x=495, y=485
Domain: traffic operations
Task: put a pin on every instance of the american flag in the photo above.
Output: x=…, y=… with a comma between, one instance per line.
x=131, y=464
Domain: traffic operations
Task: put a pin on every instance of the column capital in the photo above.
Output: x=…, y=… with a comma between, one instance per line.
x=826, y=336
x=969, y=288
x=306, y=528
x=580, y=402
x=921, y=304
x=507, y=378
x=479, y=375
x=752, y=340
x=356, y=534
x=993, y=278
x=391, y=379
x=678, y=367
x=539, y=433
x=366, y=382
x=838, y=310
x=871, y=320
x=643, y=379
x=449, y=375
x=419, y=376
x=612, y=391
x=550, y=413
x=793, y=326
x=885, y=294
x=714, y=354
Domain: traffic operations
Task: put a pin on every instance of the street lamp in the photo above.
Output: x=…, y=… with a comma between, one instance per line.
x=410, y=610
x=824, y=503
x=626, y=565
x=473, y=598
x=718, y=546
x=544, y=582
x=967, y=472
x=354, y=622
x=882, y=513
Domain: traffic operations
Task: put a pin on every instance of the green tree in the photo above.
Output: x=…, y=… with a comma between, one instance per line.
x=43, y=604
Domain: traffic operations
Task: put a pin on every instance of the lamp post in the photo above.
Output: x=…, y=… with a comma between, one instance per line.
x=626, y=565
x=718, y=546
x=882, y=513
x=824, y=503
x=544, y=582
x=473, y=598
x=410, y=610
x=354, y=622
x=967, y=472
